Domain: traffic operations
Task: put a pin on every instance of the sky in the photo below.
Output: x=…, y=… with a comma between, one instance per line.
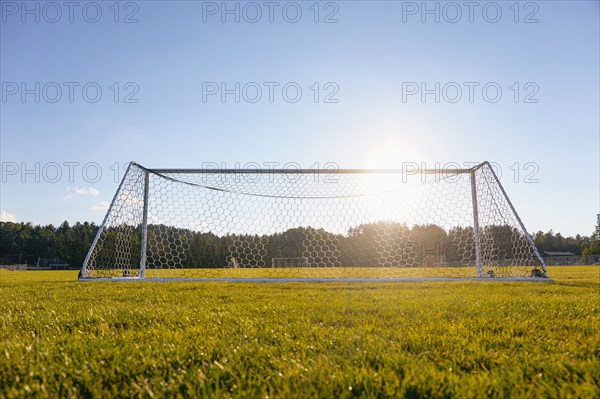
x=89, y=86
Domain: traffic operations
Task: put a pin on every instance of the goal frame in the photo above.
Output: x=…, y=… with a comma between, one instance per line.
x=442, y=172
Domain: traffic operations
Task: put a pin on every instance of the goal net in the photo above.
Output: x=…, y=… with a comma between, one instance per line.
x=307, y=224
x=289, y=262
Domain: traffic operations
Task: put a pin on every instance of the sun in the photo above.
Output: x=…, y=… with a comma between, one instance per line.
x=391, y=153
x=391, y=141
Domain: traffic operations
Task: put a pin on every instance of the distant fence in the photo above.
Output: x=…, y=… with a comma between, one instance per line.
x=14, y=267
x=58, y=264
x=52, y=263
x=572, y=260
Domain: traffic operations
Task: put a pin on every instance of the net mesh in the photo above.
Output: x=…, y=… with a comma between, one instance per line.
x=310, y=225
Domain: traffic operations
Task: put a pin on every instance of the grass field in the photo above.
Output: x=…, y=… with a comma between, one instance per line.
x=464, y=339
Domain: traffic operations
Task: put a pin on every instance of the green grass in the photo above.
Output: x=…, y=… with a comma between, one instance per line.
x=318, y=272
x=62, y=338
x=309, y=272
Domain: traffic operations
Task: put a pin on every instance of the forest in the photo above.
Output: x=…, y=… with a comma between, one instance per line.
x=24, y=243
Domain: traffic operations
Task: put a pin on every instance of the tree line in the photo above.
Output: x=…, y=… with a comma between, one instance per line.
x=22, y=243
x=556, y=242
x=34, y=245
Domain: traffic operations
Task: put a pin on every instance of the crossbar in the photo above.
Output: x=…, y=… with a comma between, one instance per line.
x=452, y=171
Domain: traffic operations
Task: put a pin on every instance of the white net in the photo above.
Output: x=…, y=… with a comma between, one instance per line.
x=349, y=224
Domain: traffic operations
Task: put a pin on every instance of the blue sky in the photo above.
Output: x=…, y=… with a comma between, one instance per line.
x=155, y=64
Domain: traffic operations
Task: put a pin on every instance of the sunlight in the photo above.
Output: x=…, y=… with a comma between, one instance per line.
x=392, y=141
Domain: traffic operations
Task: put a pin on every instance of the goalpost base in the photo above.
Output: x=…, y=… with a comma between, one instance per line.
x=320, y=280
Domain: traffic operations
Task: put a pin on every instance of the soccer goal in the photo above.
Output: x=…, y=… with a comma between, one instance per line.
x=310, y=224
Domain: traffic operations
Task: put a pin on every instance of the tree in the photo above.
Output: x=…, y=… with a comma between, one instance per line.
x=593, y=249
x=594, y=246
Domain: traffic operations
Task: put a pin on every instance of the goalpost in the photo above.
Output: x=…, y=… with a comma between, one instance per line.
x=308, y=224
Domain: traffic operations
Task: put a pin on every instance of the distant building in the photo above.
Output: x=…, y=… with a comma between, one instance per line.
x=51, y=264
x=552, y=253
